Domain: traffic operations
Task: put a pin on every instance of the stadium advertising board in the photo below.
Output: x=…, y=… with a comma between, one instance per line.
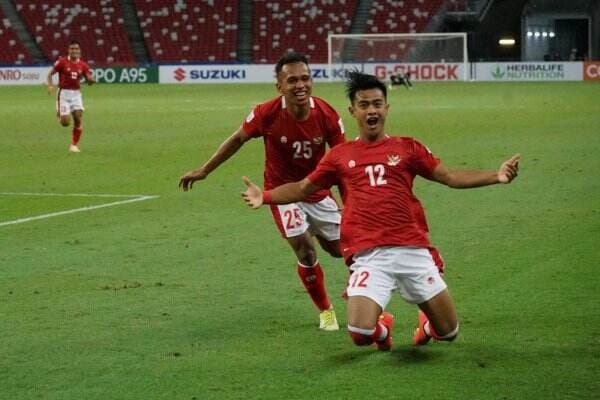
x=419, y=72
x=186, y=74
x=529, y=71
x=23, y=75
x=591, y=70
x=126, y=75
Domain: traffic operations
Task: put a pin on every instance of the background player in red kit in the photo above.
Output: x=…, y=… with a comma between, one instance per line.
x=295, y=128
x=383, y=235
x=70, y=69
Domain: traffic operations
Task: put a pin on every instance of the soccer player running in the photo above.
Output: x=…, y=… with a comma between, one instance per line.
x=384, y=235
x=295, y=128
x=69, y=103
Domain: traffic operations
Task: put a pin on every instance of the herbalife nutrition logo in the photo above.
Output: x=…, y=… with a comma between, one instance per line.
x=498, y=73
x=529, y=72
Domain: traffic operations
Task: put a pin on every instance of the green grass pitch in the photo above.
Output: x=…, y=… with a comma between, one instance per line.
x=193, y=296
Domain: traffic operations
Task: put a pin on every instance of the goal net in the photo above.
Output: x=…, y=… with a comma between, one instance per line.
x=425, y=56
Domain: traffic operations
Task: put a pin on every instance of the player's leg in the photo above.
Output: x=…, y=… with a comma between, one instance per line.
x=369, y=291
x=77, y=113
x=330, y=246
x=292, y=223
x=324, y=219
x=77, y=129
x=439, y=320
x=63, y=111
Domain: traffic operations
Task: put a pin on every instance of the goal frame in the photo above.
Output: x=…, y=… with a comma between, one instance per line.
x=330, y=38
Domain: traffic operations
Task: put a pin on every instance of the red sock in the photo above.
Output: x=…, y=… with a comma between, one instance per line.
x=380, y=333
x=313, y=281
x=77, y=131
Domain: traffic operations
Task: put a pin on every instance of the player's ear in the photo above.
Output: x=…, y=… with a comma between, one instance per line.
x=351, y=110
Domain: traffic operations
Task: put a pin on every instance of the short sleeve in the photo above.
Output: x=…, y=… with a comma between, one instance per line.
x=57, y=65
x=253, y=125
x=423, y=162
x=324, y=175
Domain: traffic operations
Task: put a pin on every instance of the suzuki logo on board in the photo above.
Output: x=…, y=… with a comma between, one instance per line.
x=179, y=74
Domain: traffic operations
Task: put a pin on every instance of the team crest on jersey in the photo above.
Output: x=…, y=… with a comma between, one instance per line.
x=351, y=164
x=284, y=139
x=393, y=160
x=318, y=140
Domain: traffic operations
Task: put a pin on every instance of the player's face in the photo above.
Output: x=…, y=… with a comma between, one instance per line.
x=295, y=84
x=370, y=110
x=74, y=51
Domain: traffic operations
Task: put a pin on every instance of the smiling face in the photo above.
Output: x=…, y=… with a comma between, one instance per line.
x=295, y=84
x=370, y=109
x=74, y=51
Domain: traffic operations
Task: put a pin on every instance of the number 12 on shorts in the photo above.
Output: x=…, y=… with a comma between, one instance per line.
x=359, y=280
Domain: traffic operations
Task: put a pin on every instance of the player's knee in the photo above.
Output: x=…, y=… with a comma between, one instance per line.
x=360, y=337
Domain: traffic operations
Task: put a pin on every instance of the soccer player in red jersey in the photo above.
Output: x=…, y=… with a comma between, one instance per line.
x=69, y=103
x=295, y=128
x=384, y=235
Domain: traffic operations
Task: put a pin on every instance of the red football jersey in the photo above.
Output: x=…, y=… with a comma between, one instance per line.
x=70, y=72
x=294, y=148
x=380, y=208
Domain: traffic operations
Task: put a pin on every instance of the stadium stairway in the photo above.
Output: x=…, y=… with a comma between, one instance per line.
x=136, y=37
x=361, y=16
x=22, y=33
x=244, y=39
x=359, y=24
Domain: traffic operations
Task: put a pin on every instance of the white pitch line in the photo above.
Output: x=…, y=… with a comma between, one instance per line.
x=76, y=210
x=69, y=194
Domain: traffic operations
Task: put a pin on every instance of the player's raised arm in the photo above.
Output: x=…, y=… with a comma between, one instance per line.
x=227, y=149
x=463, y=179
x=284, y=194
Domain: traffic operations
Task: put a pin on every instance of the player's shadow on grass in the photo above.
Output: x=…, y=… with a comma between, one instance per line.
x=405, y=355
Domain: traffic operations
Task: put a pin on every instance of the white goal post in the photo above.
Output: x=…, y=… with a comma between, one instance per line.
x=426, y=56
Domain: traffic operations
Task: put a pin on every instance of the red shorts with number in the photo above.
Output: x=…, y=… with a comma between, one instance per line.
x=321, y=219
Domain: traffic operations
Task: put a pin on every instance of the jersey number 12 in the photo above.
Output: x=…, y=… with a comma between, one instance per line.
x=376, y=173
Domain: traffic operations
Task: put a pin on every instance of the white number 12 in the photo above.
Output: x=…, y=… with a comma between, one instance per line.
x=376, y=173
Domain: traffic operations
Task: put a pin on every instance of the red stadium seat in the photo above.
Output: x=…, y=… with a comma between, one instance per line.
x=301, y=26
x=200, y=31
x=393, y=16
x=97, y=24
x=12, y=50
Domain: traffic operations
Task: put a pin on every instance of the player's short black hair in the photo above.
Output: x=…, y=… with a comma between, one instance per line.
x=75, y=42
x=360, y=81
x=290, y=58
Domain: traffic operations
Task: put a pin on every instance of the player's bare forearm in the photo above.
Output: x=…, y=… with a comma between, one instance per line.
x=284, y=194
x=227, y=149
x=287, y=193
x=462, y=179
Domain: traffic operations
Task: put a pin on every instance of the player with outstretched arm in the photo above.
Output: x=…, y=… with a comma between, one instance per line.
x=383, y=235
x=296, y=129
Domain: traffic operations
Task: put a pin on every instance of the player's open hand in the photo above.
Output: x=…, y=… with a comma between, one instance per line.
x=253, y=196
x=509, y=169
x=187, y=181
x=49, y=89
